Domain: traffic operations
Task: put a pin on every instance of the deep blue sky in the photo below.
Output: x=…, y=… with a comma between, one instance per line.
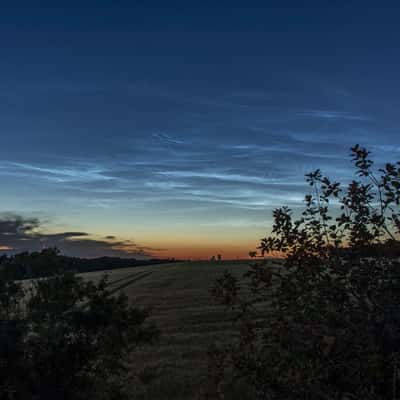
x=181, y=127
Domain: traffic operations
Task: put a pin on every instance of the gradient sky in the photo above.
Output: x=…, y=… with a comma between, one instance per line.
x=137, y=128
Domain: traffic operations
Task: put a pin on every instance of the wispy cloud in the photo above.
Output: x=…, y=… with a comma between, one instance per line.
x=77, y=173
x=178, y=152
x=228, y=177
x=333, y=115
x=165, y=138
x=165, y=185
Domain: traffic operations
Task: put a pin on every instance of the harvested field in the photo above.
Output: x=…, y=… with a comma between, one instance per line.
x=190, y=321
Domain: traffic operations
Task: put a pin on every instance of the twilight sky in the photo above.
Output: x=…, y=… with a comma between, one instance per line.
x=133, y=128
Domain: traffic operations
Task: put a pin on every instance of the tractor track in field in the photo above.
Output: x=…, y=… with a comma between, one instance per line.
x=137, y=277
x=124, y=278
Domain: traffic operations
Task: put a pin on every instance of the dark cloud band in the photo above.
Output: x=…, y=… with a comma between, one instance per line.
x=19, y=234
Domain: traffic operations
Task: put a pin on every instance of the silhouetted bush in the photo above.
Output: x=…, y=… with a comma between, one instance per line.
x=64, y=338
x=325, y=324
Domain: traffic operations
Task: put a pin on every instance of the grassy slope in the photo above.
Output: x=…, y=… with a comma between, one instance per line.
x=188, y=318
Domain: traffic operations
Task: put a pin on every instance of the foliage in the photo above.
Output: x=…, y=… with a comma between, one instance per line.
x=326, y=323
x=66, y=338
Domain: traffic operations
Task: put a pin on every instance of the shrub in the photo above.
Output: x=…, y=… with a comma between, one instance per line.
x=65, y=338
x=325, y=324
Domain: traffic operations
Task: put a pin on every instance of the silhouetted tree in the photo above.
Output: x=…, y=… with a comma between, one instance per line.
x=326, y=323
x=65, y=338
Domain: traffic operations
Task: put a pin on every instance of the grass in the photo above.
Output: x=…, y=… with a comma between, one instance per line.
x=189, y=320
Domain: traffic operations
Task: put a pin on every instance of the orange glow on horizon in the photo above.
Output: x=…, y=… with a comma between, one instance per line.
x=205, y=253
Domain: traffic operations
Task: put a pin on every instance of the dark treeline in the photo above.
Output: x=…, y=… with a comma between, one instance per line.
x=47, y=262
x=389, y=249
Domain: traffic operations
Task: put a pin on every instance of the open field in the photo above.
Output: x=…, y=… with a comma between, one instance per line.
x=190, y=321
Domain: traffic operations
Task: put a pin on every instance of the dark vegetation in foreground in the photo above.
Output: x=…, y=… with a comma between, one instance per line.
x=64, y=338
x=49, y=261
x=325, y=325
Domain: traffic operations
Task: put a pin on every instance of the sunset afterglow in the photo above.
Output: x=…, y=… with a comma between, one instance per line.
x=175, y=131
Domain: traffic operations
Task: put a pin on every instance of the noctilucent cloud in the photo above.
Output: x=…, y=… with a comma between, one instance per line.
x=141, y=128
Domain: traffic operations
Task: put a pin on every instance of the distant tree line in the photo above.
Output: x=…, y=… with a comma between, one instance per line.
x=28, y=265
